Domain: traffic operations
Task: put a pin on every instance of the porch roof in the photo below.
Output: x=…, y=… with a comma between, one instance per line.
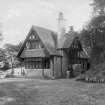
x=34, y=53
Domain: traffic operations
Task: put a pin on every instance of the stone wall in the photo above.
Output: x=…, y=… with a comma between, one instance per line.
x=57, y=67
x=64, y=64
x=39, y=73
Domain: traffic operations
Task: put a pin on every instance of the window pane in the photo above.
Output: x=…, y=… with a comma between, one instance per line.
x=27, y=45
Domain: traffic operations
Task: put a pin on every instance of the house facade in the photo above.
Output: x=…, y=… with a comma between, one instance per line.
x=52, y=52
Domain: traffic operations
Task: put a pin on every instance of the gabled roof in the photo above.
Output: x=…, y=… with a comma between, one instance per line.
x=47, y=37
x=66, y=40
x=49, y=40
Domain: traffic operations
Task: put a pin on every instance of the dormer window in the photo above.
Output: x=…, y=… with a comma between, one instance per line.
x=30, y=37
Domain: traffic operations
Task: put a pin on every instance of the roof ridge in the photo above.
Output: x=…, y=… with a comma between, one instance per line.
x=34, y=26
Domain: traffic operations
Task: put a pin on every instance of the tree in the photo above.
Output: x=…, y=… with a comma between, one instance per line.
x=93, y=35
x=13, y=48
x=11, y=52
x=4, y=64
x=98, y=7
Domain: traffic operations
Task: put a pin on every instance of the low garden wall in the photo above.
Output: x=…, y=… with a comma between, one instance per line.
x=39, y=73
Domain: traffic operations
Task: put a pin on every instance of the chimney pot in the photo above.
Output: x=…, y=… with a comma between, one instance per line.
x=60, y=15
x=71, y=28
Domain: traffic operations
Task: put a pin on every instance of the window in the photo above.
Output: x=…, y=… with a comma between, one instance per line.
x=27, y=45
x=33, y=45
x=26, y=65
x=33, y=42
x=33, y=37
x=47, y=64
x=30, y=37
x=37, y=63
x=40, y=65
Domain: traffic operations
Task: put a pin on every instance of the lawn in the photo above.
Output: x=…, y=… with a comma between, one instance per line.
x=51, y=92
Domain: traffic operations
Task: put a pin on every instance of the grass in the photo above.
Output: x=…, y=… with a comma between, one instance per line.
x=52, y=92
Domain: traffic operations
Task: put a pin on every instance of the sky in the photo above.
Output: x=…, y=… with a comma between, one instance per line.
x=17, y=16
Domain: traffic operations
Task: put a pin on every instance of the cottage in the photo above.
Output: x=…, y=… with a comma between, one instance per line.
x=52, y=52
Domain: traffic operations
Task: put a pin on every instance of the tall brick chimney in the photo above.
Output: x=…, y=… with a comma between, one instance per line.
x=61, y=25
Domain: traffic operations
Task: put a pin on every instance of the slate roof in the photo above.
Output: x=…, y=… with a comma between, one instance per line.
x=49, y=40
x=47, y=37
x=66, y=40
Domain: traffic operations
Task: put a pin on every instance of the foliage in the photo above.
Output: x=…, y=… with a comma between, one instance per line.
x=12, y=48
x=98, y=7
x=6, y=66
x=2, y=55
x=93, y=35
x=12, y=51
x=1, y=35
x=96, y=74
x=8, y=56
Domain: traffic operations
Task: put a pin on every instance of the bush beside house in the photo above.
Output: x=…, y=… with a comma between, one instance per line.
x=95, y=74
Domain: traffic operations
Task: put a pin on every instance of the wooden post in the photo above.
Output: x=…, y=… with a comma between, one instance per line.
x=53, y=65
x=61, y=68
x=43, y=67
x=12, y=66
x=21, y=70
